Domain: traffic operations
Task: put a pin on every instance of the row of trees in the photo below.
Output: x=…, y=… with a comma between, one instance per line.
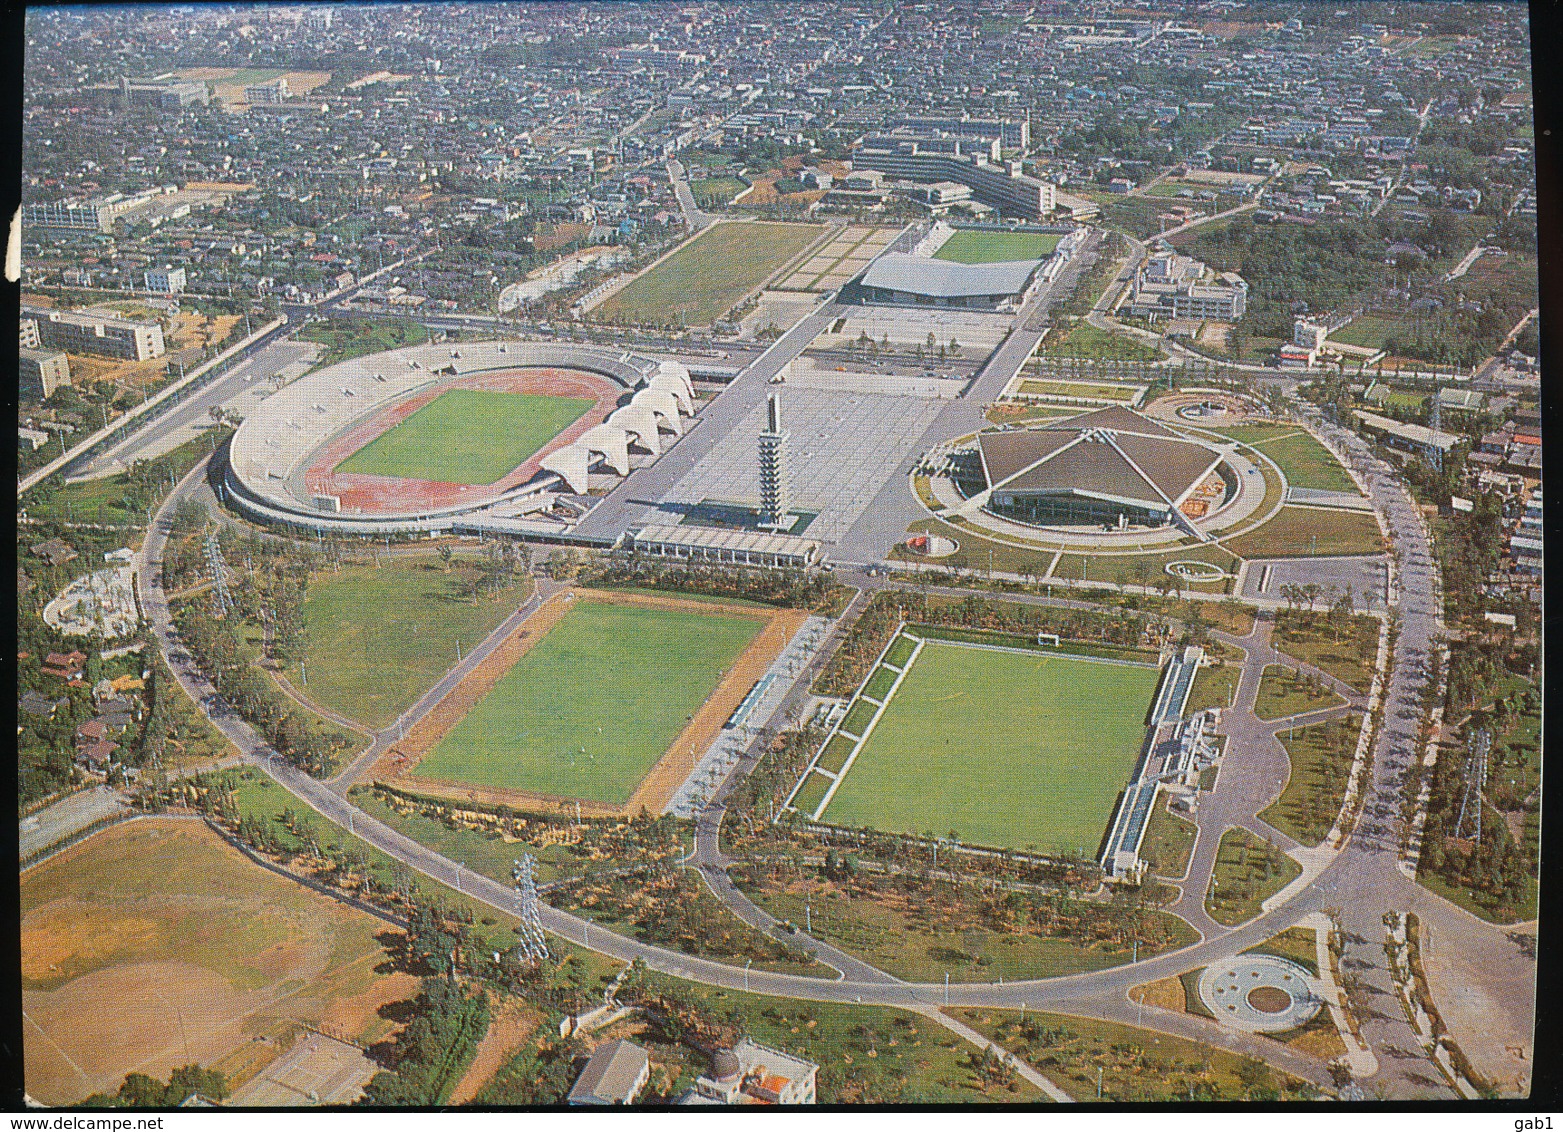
x=796, y=589
x=218, y=651
x=140, y=1091
x=429, y=1055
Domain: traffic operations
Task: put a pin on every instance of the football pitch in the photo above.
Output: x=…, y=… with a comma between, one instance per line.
x=699, y=282
x=468, y=436
x=971, y=246
x=1009, y=750
x=593, y=706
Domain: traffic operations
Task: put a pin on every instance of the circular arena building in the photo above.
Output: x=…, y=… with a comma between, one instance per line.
x=1110, y=468
x=476, y=434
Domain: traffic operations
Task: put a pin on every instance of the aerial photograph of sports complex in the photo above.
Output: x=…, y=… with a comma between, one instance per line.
x=582, y=554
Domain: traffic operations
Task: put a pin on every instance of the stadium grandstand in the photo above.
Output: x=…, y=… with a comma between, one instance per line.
x=284, y=458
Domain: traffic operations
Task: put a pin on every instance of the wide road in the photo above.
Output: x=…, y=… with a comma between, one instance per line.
x=638, y=497
x=1357, y=886
x=191, y=415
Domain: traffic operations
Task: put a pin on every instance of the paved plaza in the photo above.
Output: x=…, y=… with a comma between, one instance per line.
x=1259, y=994
x=1367, y=577
x=843, y=448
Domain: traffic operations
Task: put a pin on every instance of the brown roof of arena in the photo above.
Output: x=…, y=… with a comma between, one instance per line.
x=1114, y=453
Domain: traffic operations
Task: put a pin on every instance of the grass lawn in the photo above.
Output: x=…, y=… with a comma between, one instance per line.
x=1247, y=873
x=1214, y=687
x=1304, y=532
x=1169, y=839
x=1086, y=341
x=1346, y=653
x=879, y=683
x=698, y=283
x=345, y=338
x=1008, y=750
x=467, y=436
x=911, y=947
x=1321, y=765
x=1296, y=944
x=380, y=638
x=723, y=188
x=900, y=652
x=1281, y=695
x=1136, y=1064
x=1304, y=460
x=1077, y=389
x=812, y=794
x=834, y=756
x=969, y=245
x=594, y=704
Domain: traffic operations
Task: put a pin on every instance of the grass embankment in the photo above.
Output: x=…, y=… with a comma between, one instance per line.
x=1169, y=840
x=921, y=934
x=345, y=338
x=1130, y=1064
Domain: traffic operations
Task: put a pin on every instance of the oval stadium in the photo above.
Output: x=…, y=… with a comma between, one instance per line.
x=430, y=438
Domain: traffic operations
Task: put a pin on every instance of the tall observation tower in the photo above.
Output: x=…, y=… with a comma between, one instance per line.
x=775, y=486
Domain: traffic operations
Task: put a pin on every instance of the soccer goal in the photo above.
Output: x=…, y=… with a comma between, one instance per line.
x=1049, y=639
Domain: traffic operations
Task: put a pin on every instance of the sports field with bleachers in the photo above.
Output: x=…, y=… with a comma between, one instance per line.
x=467, y=436
x=1008, y=749
x=587, y=711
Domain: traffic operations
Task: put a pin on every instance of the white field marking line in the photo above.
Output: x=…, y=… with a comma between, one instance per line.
x=836, y=727
x=869, y=730
x=57, y=1048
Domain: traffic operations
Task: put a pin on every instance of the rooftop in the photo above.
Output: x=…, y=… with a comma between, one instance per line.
x=947, y=279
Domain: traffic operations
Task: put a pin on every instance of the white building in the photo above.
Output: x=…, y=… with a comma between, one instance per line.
x=165, y=280
x=1169, y=285
x=267, y=94
x=751, y=1073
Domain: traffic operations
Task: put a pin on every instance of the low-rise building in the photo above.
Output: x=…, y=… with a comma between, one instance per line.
x=750, y=1074
x=1169, y=285
x=614, y=1075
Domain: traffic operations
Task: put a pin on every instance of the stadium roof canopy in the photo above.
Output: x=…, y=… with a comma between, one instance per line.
x=1113, y=455
x=946, y=279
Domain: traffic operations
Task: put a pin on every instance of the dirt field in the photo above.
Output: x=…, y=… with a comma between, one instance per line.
x=189, y=332
x=155, y=944
x=663, y=779
x=229, y=82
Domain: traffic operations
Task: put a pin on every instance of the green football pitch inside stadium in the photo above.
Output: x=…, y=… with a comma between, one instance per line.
x=971, y=246
x=594, y=704
x=1009, y=750
x=467, y=436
